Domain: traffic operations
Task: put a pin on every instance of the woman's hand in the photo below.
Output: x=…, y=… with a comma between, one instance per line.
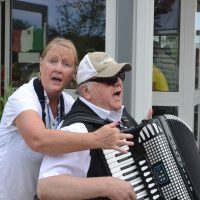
x=109, y=137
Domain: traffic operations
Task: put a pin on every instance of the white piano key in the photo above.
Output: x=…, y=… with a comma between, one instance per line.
x=119, y=168
x=156, y=127
x=138, y=188
x=150, y=129
x=141, y=194
x=114, y=159
x=107, y=151
x=117, y=164
x=119, y=158
x=136, y=181
x=115, y=153
x=146, y=131
x=130, y=175
x=120, y=173
x=142, y=135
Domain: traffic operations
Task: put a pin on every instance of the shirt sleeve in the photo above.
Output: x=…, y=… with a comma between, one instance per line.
x=75, y=164
x=19, y=101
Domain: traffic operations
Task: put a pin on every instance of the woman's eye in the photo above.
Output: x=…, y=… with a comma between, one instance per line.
x=53, y=61
x=66, y=65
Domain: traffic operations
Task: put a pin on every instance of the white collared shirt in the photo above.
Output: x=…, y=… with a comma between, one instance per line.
x=76, y=163
x=104, y=114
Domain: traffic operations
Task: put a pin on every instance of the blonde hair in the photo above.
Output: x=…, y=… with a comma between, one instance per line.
x=64, y=42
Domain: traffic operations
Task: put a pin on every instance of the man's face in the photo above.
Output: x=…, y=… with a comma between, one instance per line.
x=106, y=96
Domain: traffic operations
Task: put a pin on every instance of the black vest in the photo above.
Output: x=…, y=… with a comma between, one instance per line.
x=80, y=112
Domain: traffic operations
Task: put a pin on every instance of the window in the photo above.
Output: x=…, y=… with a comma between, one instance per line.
x=166, y=46
x=196, y=121
x=197, y=41
x=36, y=22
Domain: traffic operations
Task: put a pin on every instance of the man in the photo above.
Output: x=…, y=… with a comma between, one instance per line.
x=101, y=92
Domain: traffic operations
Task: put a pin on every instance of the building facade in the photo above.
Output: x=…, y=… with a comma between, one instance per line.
x=160, y=38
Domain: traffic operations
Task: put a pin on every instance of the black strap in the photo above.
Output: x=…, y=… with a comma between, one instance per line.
x=87, y=119
x=82, y=118
x=62, y=106
x=40, y=93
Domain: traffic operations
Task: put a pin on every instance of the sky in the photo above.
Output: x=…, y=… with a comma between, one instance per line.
x=34, y=18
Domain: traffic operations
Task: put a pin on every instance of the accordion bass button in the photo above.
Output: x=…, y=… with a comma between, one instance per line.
x=153, y=191
x=149, y=179
x=156, y=196
x=146, y=174
x=142, y=162
x=144, y=168
x=151, y=185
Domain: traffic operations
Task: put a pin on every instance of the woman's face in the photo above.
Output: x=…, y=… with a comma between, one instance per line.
x=57, y=69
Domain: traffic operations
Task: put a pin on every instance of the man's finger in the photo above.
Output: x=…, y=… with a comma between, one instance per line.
x=121, y=150
x=126, y=136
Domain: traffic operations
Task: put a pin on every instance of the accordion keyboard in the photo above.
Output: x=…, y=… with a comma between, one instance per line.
x=124, y=167
x=150, y=166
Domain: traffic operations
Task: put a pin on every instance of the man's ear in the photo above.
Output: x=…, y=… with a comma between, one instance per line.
x=85, y=91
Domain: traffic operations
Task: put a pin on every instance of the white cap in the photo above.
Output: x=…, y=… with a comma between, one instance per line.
x=99, y=64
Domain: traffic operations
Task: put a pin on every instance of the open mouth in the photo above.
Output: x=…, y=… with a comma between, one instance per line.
x=56, y=79
x=117, y=93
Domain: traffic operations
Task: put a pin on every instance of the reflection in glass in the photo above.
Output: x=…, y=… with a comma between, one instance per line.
x=166, y=46
x=2, y=43
x=160, y=110
x=37, y=22
x=196, y=121
x=197, y=41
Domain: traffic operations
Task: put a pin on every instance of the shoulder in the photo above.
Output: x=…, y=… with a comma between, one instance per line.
x=68, y=101
x=25, y=97
x=25, y=90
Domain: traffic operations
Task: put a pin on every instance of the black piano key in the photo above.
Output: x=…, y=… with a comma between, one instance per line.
x=127, y=166
x=123, y=159
x=118, y=154
x=132, y=177
x=129, y=172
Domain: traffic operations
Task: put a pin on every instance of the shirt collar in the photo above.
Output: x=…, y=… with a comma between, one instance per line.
x=104, y=114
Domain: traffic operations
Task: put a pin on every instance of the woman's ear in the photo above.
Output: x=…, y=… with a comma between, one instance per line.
x=40, y=63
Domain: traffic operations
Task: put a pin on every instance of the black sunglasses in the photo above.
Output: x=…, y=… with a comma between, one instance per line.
x=110, y=80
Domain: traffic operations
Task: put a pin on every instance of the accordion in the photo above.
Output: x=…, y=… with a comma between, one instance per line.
x=164, y=162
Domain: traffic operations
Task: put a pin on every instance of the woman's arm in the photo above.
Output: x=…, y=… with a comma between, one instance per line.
x=65, y=187
x=48, y=141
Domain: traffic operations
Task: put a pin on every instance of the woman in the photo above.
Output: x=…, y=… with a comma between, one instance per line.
x=23, y=135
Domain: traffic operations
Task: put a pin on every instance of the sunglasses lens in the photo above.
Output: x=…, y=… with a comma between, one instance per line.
x=122, y=76
x=110, y=80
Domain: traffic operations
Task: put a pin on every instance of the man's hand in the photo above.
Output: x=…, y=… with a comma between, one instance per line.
x=149, y=114
x=109, y=137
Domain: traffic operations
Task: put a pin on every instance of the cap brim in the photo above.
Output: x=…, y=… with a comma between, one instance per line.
x=111, y=71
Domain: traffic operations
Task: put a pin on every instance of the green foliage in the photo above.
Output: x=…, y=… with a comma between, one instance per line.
x=3, y=99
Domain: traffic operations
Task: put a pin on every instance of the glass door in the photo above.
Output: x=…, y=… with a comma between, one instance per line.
x=36, y=22
x=2, y=33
